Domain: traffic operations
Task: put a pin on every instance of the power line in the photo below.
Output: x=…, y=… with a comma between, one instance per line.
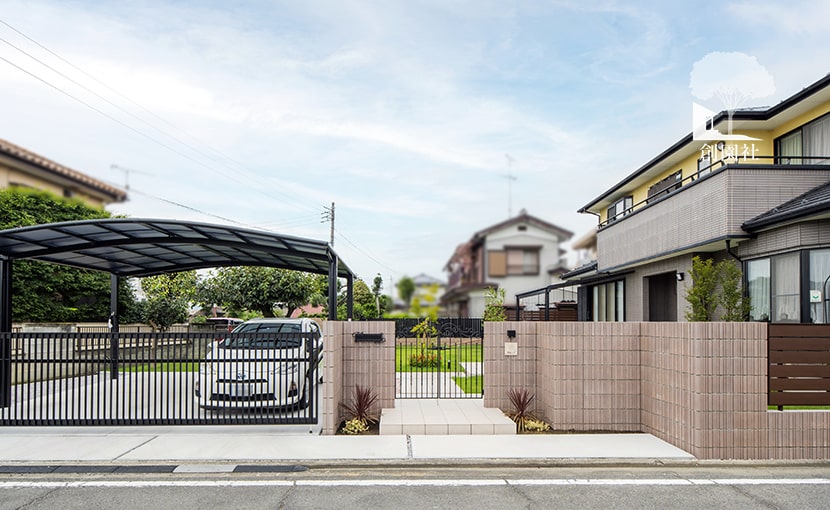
x=123, y=110
x=366, y=254
x=189, y=208
x=161, y=143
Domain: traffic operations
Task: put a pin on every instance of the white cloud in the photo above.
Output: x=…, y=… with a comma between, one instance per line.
x=798, y=17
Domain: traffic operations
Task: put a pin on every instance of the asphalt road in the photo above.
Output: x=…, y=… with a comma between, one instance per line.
x=501, y=487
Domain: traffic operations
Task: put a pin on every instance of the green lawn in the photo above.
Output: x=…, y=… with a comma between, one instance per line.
x=165, y=366
x=472, y=384
x=449, y=358
x=799, y=408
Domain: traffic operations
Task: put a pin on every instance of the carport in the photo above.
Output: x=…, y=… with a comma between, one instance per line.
x=126, y=247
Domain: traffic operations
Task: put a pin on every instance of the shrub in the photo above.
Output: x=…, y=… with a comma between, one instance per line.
x=713, y=286
x=494, y=305
x=355, y=426
x=521, y=401
x=359, y=410
x=426, y=332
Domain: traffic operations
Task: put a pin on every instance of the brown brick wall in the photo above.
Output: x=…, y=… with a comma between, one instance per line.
x=699, y=386
x=348, y=364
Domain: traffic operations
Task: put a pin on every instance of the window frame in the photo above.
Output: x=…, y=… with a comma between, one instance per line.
x=797, y=159
x=627, y=204
x=525, y=269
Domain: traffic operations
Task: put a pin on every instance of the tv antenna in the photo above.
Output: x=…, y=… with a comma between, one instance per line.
x=127, y=172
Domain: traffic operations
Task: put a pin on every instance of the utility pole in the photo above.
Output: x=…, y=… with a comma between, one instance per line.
x=510, y=179
x=328, y=215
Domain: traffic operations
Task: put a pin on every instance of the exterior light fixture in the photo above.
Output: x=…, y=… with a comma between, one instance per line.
x=680, y=276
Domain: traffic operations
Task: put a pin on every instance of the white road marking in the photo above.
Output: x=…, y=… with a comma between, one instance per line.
x=413, y=483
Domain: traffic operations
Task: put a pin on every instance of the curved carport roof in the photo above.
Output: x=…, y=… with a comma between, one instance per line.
x=145, y=247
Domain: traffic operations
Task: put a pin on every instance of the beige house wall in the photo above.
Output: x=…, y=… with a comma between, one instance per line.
x=701, y=212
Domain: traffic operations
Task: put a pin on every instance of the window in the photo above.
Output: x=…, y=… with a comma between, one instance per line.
x=789, y=149
x=608, y=302
x=785, y=304
x=620, y=208
x=523, y=261
x=812, y=141
x=792, y=287
x=774, y=288
x=819, y=283
x=497, y=263
x=757, y=282
x=704, y=165
x=514, y=261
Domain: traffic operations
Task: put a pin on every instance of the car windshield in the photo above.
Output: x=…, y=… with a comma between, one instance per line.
x=265, y=336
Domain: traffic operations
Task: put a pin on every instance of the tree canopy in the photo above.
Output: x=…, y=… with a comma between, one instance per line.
x=260, y=289
x=44, y=292
x=168, y=298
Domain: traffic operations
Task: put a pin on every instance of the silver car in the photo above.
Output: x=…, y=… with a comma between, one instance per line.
x=261, y=363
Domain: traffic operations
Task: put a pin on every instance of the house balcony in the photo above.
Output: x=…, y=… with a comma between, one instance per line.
x=702, y=213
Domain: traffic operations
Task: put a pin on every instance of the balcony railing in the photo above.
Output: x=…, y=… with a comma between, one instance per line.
x=706, y=171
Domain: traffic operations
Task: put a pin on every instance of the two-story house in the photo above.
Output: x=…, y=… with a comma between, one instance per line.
x=519, y=253
x=23, y=168
x=757, y=194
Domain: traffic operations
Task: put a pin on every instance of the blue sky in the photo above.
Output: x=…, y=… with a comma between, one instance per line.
x=402, y=113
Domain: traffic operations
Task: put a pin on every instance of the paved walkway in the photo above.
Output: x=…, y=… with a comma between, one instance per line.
x=444, y=417
x=228, y=445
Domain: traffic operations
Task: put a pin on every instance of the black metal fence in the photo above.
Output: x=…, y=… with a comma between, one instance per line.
x=441, y=359
x=128, y=378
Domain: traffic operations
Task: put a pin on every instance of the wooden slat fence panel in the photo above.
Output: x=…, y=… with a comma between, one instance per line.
x=799, y=365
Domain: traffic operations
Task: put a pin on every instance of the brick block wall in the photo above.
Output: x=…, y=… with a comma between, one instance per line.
x=348, y=364
x=699, y=386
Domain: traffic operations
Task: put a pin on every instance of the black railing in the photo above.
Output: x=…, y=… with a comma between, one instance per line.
x=159, y=378
x=441, y=359
x=714, y=168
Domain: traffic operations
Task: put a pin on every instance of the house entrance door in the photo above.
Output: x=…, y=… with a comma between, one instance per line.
x=662, y=298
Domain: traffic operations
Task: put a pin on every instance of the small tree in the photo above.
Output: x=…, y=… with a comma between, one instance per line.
x=377, y=286
x=701, y=295
x=713, y=286
x=406, y=289
x=168, y=297
x=494, y=305
x=735, y=305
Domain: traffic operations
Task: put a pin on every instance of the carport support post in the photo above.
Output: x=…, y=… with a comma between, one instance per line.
x=332, y=286
x=5, y=330
x=113, y=325
x=350, y=297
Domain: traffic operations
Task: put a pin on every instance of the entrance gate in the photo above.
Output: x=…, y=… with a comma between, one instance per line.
x=442, y=359
x=98, y=378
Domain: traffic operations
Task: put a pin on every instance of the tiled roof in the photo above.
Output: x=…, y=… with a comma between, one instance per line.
x=17, y=152
x=524, y=217
x=583, y=269
x=815, y=201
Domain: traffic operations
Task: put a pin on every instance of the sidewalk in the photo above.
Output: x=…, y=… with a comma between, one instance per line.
x=263, y=444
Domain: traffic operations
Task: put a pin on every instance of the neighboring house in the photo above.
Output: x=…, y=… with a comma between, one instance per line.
x=520, y=253
x=585, y=248
x=428, y=290
x=759, y=196
x=23, y=168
